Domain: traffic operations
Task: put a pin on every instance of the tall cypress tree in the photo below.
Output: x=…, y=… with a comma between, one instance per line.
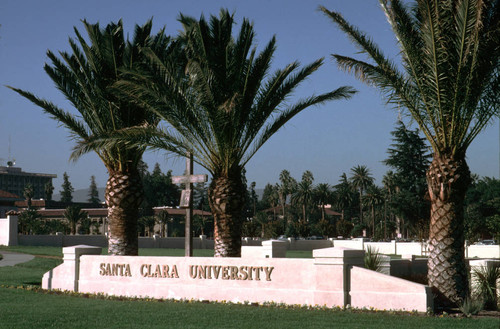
x=93, y=192
x=67, y=189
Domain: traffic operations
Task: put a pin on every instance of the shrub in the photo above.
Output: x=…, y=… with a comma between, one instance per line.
x=471, y=306
x=484, y=281
x=373, y=259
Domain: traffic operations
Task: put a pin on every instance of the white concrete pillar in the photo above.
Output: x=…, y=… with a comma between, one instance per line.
x=66, y=275
x=8, y=231
x=342, y=257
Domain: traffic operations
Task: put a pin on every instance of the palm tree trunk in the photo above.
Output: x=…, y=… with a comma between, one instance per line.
x=227, y=201
x=448, y=180
x=360, y=206
x=124, y=193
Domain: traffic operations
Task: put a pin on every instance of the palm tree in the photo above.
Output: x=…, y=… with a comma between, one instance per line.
x=28, y=195
x=304, y=195
x=223, y=110
x=323, y=195
x=360, y=180
x=389, y=181
x=287, y=187
x=373, y=197
x=86, y=77
x=74, y=214
x=343, y=194
x=449, y=84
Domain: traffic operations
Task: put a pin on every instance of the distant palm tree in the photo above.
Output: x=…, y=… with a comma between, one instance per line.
x=304, y=196
x=286, y=188
x=343, y=194
x=28, y=193
x=223, y=110
x=74, y=214
x=87, y=77
x=449, y=83
x=323, y=195
x=360, y=179
x=374, y=197
x=389, y=181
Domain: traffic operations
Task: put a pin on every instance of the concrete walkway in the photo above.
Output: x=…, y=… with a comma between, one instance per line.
x=13, y=258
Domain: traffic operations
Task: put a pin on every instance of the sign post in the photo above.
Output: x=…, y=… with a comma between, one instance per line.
x=187, y=201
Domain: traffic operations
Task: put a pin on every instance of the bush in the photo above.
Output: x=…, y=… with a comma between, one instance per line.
x=471, y=306
x=373, y=259
x=484, y=281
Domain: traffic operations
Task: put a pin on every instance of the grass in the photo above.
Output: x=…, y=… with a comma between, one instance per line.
x=57, y=252
x=25, y=308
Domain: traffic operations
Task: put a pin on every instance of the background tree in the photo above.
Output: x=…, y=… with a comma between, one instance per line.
x=223, y=110
x=344, y=196
x=449, y=84
x=49, y=190
x=286, y=188
x=409, y=157
x=67, y=189
x=74, y=215
x=28, y=194
x=482, y=210
x=159, y=190
x=87, y=78
x=322, y=195
x=29, y=221
x=373, y=198
x=93, y=192
x=360, y=179
x=304, y=194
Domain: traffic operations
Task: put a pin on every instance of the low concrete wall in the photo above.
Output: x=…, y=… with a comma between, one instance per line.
x=369, y=288
x=330, y=279
x=8, y=231
x=479, y=251
x=387, y=248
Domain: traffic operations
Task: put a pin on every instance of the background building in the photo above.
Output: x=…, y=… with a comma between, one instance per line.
x=14, y=180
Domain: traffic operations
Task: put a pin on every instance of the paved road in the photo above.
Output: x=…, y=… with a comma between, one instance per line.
x=13, y=258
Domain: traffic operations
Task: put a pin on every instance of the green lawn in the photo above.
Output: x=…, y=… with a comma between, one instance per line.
x=24, y=308
x=57, y=251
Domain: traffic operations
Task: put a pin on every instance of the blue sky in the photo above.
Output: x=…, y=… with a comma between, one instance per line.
x=326, y=140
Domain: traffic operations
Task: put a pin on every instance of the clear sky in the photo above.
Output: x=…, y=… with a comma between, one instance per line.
x=326, y=140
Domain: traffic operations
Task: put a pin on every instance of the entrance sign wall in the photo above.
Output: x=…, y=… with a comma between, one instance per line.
x=327, y=279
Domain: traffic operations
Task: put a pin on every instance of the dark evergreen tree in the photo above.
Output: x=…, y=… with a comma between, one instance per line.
x=93, y=192
x=409, y=157
x=67, y=189
x=482, y=209
x=159, y=190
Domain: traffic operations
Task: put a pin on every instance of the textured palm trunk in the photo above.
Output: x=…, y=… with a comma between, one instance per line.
x=227, y=200
x=448, y=180
x=124, y=193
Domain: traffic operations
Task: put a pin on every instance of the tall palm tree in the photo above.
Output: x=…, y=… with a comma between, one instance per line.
x=373, y=197
x=449, y=84
x=361, y=178
x=343, y=194
x=86, y=77
x=389, y=181
x=323, y=195
x=304, y=195
x=224, y=109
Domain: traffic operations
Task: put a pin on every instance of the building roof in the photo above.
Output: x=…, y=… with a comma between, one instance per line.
x=103, y=212
x=180, y=211
x=8, y=195
x=18, y=172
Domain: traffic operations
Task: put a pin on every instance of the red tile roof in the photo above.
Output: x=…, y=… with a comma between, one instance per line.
x=8, y=195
